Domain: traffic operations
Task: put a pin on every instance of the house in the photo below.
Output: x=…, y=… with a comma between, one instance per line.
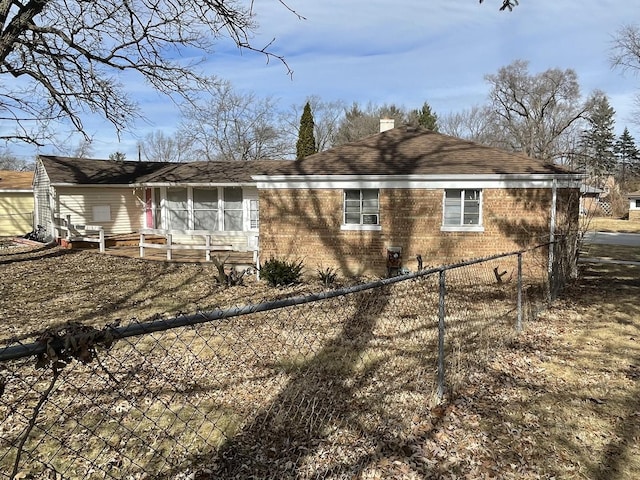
x=16, y=203
x=589, y=199
x=634, y=206
x=406, y=192
x=124, y=197
x=359, y=207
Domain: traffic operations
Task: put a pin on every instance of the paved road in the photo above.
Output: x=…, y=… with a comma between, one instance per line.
x=631, y=239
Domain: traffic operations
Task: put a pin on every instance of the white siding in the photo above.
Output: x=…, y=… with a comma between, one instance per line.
x=89, y=205
x=43, y=192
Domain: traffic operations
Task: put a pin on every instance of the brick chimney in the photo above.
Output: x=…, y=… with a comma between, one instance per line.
x=386, y=124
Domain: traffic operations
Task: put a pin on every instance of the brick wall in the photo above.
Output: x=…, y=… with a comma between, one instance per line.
x=634, y=215
x=305, y=224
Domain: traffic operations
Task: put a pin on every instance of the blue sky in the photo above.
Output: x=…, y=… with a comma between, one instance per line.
x=405, y=52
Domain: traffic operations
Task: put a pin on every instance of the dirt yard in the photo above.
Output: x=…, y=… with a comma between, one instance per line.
x=560, y=401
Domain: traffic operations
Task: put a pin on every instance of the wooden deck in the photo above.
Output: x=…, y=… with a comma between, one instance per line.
x=128, y=246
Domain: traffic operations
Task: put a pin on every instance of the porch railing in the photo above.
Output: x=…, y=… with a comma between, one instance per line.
x=208, y=246
x=78, y=232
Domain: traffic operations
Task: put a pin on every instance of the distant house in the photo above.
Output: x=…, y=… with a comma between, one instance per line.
x=634, y=206
x=399, y=193
x=589, y=199
x=16, y=203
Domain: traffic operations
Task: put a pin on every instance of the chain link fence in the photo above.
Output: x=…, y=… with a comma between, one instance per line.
x=325, y=385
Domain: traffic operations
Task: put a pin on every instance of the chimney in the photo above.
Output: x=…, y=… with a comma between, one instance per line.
x=386, y=124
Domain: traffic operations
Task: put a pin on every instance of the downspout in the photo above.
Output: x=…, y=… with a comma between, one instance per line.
x=552, y=230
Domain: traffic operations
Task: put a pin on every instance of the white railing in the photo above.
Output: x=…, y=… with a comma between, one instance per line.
x=208, y=246
x=79, y=232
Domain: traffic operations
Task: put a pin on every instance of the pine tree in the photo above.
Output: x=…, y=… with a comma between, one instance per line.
x=426, y=118
x=598, y=139
x=627, y=154
x=306, y=144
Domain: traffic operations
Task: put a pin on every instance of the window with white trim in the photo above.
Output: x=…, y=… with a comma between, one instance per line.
x=177, y=208
x=462, y=208
x=205, y=208
x=361, y=207
x=254, y=215
x=233, y=209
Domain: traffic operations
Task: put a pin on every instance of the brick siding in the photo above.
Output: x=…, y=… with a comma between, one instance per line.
x=305, y=224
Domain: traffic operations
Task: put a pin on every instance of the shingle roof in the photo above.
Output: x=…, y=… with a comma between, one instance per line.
x=399, y=151
x=213, y=172
x=82, y=171
x=407, y=150
x=12, y=180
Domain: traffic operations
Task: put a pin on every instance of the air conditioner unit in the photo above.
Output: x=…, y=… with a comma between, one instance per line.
x=371, y=219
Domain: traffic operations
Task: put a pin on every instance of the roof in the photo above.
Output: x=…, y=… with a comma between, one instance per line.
x=399, y=151
x=588, y=189
x=634, y=194
x=213, y=172
x=416, y=151
x=12, y=180
x=83, y=171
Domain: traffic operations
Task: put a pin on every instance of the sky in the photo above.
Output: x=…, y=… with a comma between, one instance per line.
x=403, y=52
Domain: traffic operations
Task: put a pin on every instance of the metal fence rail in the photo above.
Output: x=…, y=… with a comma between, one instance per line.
x=315, y=386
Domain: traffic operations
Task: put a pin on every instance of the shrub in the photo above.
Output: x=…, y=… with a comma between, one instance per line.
x=327, y=276
x=281, y=272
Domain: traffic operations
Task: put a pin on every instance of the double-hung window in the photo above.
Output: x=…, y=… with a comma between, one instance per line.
x=177, y=208
x=205, y=209
x=233, y=209
x=362, y=209
x=462, y=210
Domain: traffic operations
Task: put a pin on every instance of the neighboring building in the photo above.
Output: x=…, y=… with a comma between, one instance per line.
x=634, y=206
x=590, y=199
x=16, y=203
x=404, y=191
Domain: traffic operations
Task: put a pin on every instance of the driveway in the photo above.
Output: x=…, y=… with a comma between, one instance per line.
x=606, y=238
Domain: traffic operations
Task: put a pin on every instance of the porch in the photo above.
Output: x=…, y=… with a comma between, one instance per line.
x=128, y=245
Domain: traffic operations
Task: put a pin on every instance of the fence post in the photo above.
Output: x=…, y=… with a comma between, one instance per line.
x=441, y=329
x=519, y=321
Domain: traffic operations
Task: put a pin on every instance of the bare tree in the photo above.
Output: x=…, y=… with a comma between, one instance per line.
x=159, y=147
x=231, y=125
x=475, y=124
x=64, y=58
x=625, y=55
x=534, y=111
x=359, y=122
x=9, y=161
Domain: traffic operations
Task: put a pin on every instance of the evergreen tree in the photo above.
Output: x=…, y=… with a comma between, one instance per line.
x=598, y=139
x=627, y=154
x=306, y=144
x=425, y=117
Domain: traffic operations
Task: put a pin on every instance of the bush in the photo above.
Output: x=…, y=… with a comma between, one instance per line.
x=281, y=272
x=327, y=276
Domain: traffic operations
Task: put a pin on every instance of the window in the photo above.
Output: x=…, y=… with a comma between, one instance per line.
x=205, y=209
x=462, y=209
x=254, y=214
x=637, y=203
x=177, y=209
x=233, y=209
x=361, y=207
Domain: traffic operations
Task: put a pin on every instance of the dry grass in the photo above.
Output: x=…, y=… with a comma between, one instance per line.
x=337, y=390
x=609, y=224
